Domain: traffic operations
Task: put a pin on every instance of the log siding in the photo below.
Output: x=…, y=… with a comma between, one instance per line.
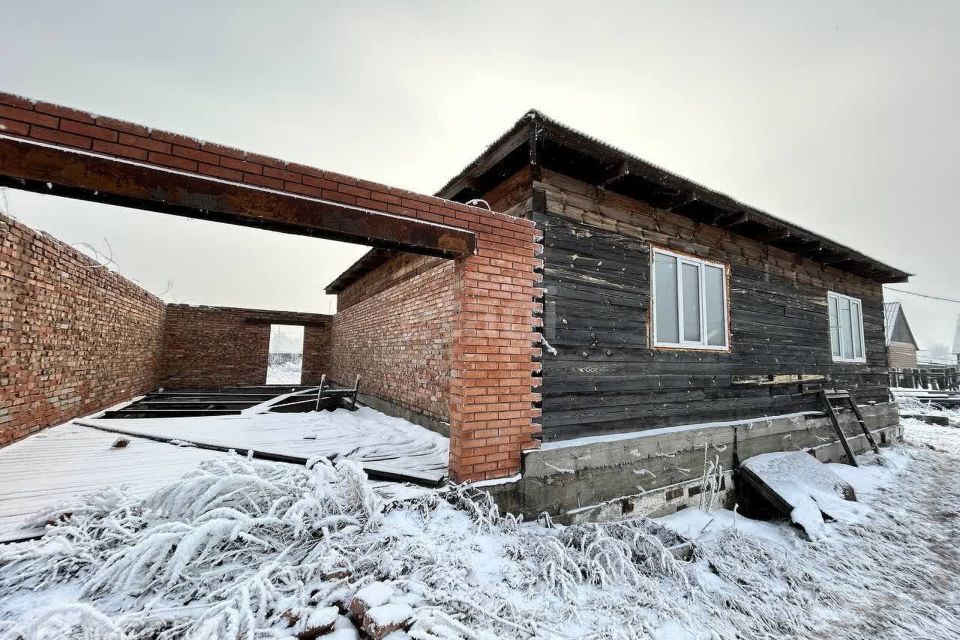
x=607, y=377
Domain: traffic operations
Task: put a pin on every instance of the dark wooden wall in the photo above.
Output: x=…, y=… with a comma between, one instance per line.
x=606, y=378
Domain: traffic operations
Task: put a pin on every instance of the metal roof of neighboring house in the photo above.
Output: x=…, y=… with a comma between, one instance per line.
x=536, y=139
x=896, y=327
x=956, y=338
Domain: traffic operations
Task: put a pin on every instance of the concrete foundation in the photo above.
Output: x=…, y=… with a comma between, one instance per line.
x=660, y=471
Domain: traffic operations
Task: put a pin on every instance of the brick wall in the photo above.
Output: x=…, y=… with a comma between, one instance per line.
x=224, y=346
x=394, y=327
x=74, y=337
x=494, y=341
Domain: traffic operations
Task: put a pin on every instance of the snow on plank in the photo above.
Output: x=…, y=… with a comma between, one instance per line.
x=365, y=435
x=70, y=460
x=800, y=487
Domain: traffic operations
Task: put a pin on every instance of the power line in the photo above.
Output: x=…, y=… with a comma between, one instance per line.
x=923, y=295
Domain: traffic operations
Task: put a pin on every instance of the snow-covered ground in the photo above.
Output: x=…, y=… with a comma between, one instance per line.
x=364, y=435
x=286, y=372
x=251, y=550
x=70, y=460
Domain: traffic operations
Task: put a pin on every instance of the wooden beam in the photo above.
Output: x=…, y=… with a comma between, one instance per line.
x=617, y=173
x=512, y=141
x=730, y=220
x=88, y=176
x=774, y=235
x=682, y=200
x=810, y=248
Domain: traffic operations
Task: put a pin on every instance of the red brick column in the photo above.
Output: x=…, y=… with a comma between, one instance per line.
x=492, y=418
x=495, y=344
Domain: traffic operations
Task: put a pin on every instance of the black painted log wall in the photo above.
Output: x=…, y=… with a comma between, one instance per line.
x=606, y=378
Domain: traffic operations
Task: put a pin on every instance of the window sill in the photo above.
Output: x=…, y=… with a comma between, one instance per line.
x=854, y=361
x=690, y=347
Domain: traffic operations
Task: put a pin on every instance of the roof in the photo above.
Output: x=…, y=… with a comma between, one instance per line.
x=956, y=338
x=896, y=327
x=367, y=263
x=539, y=140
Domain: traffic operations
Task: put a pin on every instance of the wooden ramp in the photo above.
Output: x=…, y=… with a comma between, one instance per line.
x=798, y=486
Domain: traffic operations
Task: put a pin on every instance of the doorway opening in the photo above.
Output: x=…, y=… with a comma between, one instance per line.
x=285, y=356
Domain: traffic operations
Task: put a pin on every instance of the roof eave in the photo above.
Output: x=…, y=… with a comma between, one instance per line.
x=534, y=128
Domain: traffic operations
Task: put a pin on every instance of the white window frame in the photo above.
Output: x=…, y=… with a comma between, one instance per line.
x=863, y=346
x=699, y=263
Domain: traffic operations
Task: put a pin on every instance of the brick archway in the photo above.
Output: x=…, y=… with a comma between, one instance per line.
x=54, y=149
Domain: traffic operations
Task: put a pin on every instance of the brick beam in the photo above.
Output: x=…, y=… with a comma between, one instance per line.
x=52, y=169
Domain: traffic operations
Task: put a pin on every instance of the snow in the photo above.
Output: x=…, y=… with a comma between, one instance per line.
x=287, y=372
x=364, y=435
x=616, y=437
x=695, y=524
x=320, y=617
x=808, y=486
x=389, y=614
x=67, y=461
x=228, y=549
x=375, y=594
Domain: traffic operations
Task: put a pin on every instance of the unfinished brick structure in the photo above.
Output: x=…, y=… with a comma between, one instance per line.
x=395, y=326
x=224, y=346
x=494, y=344
x=74, y=337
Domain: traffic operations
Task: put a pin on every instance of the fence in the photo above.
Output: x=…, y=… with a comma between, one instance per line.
x=939, y=378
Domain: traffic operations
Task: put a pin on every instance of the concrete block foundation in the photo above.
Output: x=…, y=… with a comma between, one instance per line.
x=660, y=471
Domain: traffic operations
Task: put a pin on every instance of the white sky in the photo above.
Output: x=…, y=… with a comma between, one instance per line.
x=839, y=116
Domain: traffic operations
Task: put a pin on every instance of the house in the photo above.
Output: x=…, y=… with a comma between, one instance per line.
x=596, y=336
x=956, y=342
x=678, y=324
x=901, y=345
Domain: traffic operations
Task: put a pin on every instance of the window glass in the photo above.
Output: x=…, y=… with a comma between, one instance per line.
x=667, y=318
x=846, y=330
x=715, y=308
x=691, y=302
x=857, y=324
x=846, y=327
x=834, y=306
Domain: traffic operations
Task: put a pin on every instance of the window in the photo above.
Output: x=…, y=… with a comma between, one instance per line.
x=689, y=302
x=846, y=328
x=285, y=354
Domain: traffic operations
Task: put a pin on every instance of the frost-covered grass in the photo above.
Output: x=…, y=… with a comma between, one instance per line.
x=240, y=549
x=910, y=405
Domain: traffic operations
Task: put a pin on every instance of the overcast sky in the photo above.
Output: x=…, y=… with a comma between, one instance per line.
x=839, y=116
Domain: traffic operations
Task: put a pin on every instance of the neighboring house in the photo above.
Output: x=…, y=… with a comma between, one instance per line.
x=666, y=304
x=901, y=345
x=956, y=341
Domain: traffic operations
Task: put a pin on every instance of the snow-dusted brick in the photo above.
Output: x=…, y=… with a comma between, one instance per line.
x=386, y=619
x=318, y=622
